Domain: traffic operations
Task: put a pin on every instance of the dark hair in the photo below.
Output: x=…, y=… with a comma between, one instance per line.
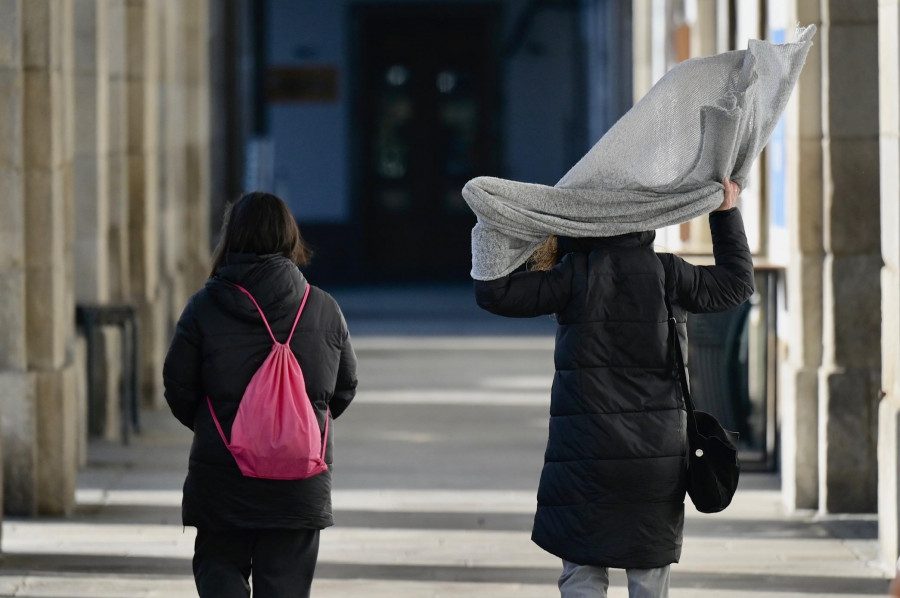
x=260, y=223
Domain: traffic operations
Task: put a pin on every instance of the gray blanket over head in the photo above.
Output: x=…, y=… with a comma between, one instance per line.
x=662, y=163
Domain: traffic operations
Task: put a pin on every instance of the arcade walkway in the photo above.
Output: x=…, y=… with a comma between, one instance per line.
x=436, y=469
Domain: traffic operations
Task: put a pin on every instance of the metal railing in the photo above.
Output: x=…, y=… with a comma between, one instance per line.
x=92, y=318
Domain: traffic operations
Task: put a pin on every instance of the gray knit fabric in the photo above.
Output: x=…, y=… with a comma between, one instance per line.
x=662, y=163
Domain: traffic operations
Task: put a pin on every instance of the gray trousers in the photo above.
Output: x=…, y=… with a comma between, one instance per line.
x=584, y=581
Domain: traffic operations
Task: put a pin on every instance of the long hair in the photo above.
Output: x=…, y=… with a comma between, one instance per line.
x=546, y=256
x=260, y=223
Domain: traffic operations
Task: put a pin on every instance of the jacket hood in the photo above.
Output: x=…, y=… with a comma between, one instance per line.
x=589, y=244
x=274, y=281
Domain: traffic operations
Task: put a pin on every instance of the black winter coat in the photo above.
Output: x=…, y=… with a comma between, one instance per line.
x=219, y=343
x=612, y=488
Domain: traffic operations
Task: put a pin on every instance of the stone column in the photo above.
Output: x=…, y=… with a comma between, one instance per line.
x=113, y=119
x=112, y=208
x=173, y=242
x=91, y=197
x=141, y=216
x=703, y=40
x=203, y=24
x=889, y=410
x=197, y=108
x=799, y=410
x=850, y=376
x=16, y=386
x=48, y=314
x=155, y=333
x=642, y=48
x=177, y=155
x=704, y=34
x=143, y=229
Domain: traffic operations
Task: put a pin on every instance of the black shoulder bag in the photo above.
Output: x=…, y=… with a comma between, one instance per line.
x=713, y=464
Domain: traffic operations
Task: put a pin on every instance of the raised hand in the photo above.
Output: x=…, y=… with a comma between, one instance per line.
x=732, y=190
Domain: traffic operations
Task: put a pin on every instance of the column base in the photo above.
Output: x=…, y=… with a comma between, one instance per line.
x=848, y=429
x=19, y=425
x=799, y=438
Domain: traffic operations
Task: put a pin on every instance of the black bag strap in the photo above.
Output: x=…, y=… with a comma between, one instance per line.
x=678, y=360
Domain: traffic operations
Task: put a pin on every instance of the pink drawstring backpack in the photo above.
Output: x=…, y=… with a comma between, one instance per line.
x=275, y=433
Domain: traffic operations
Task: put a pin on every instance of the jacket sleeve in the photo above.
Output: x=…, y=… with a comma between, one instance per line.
x=345, y=387
x=182, y=369
x=729, y=283
x=528, y=294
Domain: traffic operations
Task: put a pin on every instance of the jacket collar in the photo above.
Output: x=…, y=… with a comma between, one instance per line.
x=589, y=244
x=274, y=281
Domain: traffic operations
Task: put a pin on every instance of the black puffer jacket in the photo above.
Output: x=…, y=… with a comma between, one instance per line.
x=612, y=488
x=219, y=343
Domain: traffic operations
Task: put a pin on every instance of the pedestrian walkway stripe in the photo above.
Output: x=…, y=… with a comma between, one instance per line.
x=444, y=501
x=496, y=398
x=454, y=343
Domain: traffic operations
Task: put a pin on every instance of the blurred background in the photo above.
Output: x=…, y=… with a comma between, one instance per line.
x=127, y=125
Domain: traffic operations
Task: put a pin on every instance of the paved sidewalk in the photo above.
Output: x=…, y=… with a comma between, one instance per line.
x=434, y=498
x=126, y=540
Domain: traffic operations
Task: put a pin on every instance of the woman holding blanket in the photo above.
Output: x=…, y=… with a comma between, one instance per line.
x=612, y=488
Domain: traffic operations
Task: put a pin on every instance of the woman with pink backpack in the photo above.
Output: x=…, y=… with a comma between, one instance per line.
x=261, y=361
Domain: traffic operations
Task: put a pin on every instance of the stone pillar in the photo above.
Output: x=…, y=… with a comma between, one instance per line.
x=141, y=216
x=704, y=36
x=16, y=386
x=197, y=175
x=91, y=194
x=173, y=242
x=176, y=158
x=799, y=410
x=90, y=198
x=48, y=314
x=203, y=25
x=889, y=409
x=850, y=375
x=113, y=133
x=111, y=207
x=643, y=77
x=155, y=333
x=143, y=229
x=59, y=418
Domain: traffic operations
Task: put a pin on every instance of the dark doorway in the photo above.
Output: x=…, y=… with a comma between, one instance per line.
x=427, y=110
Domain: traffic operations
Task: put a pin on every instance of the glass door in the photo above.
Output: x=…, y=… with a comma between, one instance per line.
x=428, y=110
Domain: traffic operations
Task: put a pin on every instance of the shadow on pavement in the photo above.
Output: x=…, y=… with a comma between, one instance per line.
x=169, y=567
x=93, y=564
